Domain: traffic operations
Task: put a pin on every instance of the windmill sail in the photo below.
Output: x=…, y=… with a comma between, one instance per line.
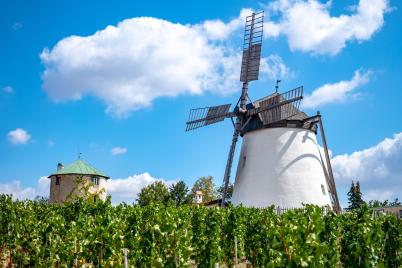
x=206, y=116
x=250, y=66
x=253, y=34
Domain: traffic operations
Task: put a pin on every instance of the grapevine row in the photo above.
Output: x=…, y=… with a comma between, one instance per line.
x=39, y=234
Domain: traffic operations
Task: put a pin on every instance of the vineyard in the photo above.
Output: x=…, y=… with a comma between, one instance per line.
x=38, y=234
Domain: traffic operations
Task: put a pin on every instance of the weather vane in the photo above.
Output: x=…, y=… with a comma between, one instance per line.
x=277, y=85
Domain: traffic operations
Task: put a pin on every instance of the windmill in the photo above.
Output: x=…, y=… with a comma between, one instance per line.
x=279, y=140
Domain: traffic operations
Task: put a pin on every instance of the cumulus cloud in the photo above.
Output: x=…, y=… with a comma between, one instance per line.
x=21, y=193
x=127, y=189
x=378, y=169
x=309, y=26
x=118, y=150
x=219, y=30
x=129, y=65
x=336, y=92
x=18, y=136
x=8, y=89
x=274, y=67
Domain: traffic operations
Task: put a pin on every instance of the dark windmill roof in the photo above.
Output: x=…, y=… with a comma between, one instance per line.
x=288, y=111
x=287, y=115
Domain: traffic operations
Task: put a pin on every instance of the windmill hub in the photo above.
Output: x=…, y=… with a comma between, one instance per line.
x=280, y=161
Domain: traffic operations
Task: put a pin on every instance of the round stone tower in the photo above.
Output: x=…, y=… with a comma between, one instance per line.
x=70, y=180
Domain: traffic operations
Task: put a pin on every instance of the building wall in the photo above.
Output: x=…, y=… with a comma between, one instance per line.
x=68, y=184
x=282, y=167
x=396, y=210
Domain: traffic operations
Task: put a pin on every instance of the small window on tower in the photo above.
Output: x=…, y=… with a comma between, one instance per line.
x=95, y=180
x=323, y=189
x=57, y=180
x=244, y=161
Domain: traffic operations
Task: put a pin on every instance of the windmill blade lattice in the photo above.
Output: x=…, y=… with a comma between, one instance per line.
x=201, y=117
x=253, y=34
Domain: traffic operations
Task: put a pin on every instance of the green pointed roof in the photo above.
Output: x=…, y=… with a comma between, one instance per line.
x=81, y=168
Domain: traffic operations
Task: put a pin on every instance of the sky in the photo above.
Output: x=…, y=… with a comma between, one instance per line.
x=114, y=81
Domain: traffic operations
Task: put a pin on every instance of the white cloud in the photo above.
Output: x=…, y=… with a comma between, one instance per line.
x=274, y=68
x=378, y=169
x=129, y=65
x=336, y=92
x=310, y=27
x=127, y=189
x=118, y=150
x=219, y=30
x=19, y=192
x=18, y=136
x=8, y=89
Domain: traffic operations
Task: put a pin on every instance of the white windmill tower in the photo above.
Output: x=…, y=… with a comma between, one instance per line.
x=280, y=161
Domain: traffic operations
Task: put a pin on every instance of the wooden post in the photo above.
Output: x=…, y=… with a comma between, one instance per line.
x=75, y=253
x=329, y=168
x=235, y=248
x=125, y=258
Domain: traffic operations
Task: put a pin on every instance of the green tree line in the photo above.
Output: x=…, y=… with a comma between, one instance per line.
x=179, y=194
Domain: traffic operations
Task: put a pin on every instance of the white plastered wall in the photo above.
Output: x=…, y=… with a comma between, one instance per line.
x=281, y=167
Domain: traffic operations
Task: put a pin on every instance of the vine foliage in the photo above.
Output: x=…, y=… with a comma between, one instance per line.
x=77, y=233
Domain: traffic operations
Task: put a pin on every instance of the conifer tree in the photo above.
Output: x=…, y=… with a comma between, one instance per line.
x=358, y=196
x=351, y=196
x=355, y=199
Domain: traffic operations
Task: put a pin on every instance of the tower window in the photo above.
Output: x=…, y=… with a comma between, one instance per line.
x=57, y=180
x=95, y=180
x=323, y=189
x=244, y=161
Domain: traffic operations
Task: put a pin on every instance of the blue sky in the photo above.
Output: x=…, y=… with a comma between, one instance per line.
x=115, y=81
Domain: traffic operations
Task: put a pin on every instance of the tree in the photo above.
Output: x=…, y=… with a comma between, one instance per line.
x=179, y=193
x=206, y=186
x=358, y=195
x=376, y=203
x=351, y=196
x=396, y=202
x=355, y=196
x=229, y=193
x=156, y=192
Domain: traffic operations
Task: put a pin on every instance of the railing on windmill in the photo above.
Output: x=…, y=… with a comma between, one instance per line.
x=278, y=107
